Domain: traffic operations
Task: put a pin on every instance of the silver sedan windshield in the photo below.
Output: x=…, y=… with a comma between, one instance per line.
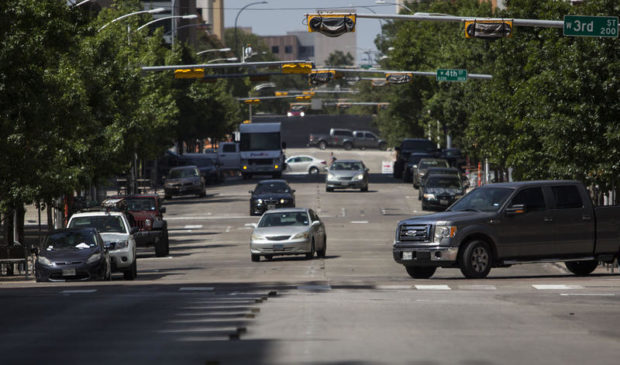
x=284, y=219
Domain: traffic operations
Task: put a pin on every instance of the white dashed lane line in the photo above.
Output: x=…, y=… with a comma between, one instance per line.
x=556, y=287
x=432, y=287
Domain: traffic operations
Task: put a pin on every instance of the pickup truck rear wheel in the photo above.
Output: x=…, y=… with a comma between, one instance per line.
x=347, y=146
x=476, y=260
x=420, y=272
x=581, y=268
x=322, y=145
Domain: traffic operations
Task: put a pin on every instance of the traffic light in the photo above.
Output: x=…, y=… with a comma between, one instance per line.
x=319, y=77
x=281, y=93
x=252, y=101
x=189, y=73
x=399, y=78
x=303, y=97
x=490, y=29
x=331, y=25
x=297, y=68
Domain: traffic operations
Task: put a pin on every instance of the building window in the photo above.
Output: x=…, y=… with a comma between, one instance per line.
x=288, y=49
x=275, y=49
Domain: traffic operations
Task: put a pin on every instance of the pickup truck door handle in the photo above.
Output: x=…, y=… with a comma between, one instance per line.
x=548, y=219
x=586, y=217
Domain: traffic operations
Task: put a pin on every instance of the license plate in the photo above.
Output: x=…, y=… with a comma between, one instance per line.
x=278, y=247
x=443, y=202
x=68, y=272
x=407, y=255
x=271, y=206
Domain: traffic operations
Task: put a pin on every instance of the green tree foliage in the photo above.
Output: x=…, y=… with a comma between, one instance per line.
x=551, y=110
x=339, y=58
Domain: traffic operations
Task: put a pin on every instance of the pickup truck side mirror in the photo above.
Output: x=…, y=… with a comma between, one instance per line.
x=251, y=191
x=516, y=209
x=162, y=210
x=367, y=169
x=283, y=145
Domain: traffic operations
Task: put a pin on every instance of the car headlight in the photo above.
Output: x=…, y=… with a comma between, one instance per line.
x=444, y=231
x=44, y=261
x=429, y=196
x=422, y=173
x=301, y=235
x=458, y=196
x=282, y=201
x=120, y=244
x=259, y=201
x=359, y=177
x=93, y=258
x=331, y=177
x=257, y=237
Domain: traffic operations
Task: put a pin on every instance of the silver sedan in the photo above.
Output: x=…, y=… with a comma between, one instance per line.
x=288, y=231
x=343, y=174
x=304, y=164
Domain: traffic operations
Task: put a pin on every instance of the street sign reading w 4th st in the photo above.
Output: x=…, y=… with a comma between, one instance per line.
x=451, y=75
x=591, y=26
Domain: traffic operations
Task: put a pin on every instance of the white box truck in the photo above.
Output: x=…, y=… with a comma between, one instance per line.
x=260, y=147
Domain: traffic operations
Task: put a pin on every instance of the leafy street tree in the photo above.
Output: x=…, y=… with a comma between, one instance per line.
x=339, y=58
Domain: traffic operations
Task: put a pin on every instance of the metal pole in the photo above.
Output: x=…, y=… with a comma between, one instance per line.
x=173, y=25
x=237, y=18
x=250, y=112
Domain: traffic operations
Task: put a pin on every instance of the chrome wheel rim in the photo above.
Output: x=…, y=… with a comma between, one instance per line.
x=479, y=259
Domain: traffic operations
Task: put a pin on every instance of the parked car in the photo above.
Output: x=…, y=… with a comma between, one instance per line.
x=147, y=212
x=440, y=191
x=184, y=180
x=296, y=111
x=367, y=139
x=454, y=157
x=305, y=164
x=72, y=254
x=423, y=165
x=208, y=166
x=118, y=235
x=409, y=146
x=286, y=231
x=452, y=171
x=347, y=174
x=498, y=225
x=271, y=194
x=412, y=164
x=336, y=138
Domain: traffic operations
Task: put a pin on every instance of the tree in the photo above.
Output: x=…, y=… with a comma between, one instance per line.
x=339, y=58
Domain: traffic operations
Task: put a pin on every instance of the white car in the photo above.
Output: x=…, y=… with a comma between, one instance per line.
x=117, y=234
x=303, y=164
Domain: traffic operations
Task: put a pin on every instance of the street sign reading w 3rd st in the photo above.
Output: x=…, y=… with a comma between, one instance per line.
x=451, y=75
x=591, y=26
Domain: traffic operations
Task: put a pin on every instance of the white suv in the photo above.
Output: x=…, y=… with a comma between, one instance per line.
x=117, y=234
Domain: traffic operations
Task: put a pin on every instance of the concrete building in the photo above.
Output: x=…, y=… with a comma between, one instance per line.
x=212, y=12
x=302, y=45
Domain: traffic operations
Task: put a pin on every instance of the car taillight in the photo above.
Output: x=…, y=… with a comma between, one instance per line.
x=324, y=163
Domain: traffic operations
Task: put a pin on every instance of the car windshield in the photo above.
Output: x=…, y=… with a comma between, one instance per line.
x=107, y=224
x=444, y=182
x=439, y=171
x=140, y=204
x=483, y=200
x=181, y=173
x=424, y=164
x=284, y=219
x=347, y=166
x=272, y=187
x=69, y=240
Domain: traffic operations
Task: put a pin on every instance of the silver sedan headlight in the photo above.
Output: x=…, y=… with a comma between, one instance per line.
x=257, y=237
x=301, y=235
x=358, y=177
x=331, y=176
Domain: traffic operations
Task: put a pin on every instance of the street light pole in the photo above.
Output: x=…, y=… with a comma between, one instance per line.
x=192, y=16
x=151, y=11
x=237, y=18
x=213, y=50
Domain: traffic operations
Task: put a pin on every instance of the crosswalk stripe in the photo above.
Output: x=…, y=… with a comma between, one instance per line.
x=477, y=287
x=556, y=287
x=432, y=287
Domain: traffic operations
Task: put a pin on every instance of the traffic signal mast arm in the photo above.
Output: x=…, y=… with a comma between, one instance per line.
x=458, y=19
x=417, y=73
x=223, y=65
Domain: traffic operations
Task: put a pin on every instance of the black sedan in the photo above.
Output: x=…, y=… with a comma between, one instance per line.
x=440, y=191
x=72, y=254
x=271, y=194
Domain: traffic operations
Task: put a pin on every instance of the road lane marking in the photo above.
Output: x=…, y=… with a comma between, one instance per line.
x=78, y=291
x=556, y=287
x=432, y=287
x=393, y=287
x=359, y=222
x=193, y=226
x=477, y=287
x=197, y=288
x=587, y=294
x=228, y=229
x=344, y=212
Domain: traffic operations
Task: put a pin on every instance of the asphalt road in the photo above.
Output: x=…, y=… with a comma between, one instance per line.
x=207, y=303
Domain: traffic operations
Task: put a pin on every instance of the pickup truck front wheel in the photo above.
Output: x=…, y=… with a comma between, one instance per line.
x=581, y=268
x=420, y=272
x=476, y=260
x=322, y=145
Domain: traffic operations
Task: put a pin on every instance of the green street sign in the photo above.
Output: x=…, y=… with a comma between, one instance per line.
x=591, y=26
x=451, y=75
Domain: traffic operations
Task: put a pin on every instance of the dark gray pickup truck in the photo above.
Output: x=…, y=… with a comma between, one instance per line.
x=498, y=225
